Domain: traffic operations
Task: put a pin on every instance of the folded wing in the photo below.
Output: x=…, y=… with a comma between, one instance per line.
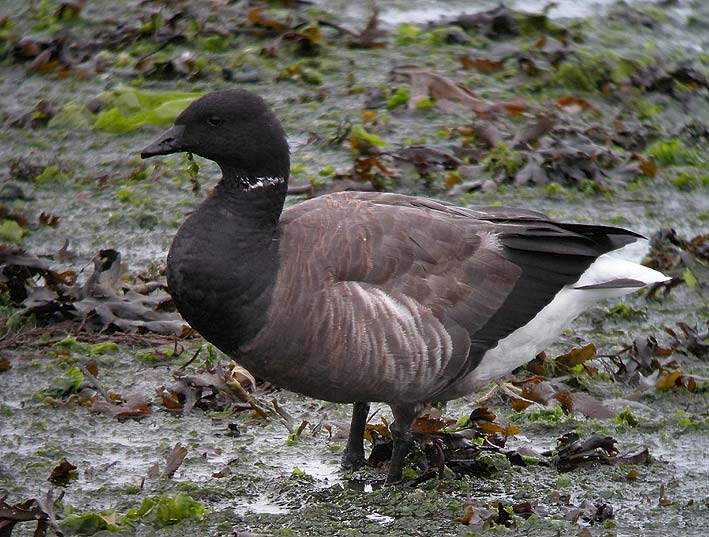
x=412, y=292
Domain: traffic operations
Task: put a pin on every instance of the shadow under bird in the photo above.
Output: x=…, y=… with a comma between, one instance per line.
x=359, y=297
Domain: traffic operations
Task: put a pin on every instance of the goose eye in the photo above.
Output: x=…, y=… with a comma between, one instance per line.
x=214, y=121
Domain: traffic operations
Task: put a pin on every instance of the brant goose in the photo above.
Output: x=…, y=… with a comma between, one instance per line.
x=358, y=297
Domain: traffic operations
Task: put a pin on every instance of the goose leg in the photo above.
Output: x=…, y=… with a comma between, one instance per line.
x=401, y=434
x=353, y=457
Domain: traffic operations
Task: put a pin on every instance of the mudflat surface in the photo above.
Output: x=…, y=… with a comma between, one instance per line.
x=591, y=114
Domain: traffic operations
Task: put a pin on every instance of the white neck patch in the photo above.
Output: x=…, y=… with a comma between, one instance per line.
x=261, y=182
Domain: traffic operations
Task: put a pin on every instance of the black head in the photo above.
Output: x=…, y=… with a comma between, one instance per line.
x=234, y=128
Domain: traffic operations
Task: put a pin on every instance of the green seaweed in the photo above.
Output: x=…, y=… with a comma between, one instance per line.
x=672, y=152
x=424, y=104
x=588, y=70
x=162, y=511
x=690, y=279
x=130, y=109
x=159, y=511
x=88, y=523
x=647, y=110
x=70, y=345
x=65, y=384
x=52, y=173
x=359, y=132
x=407, y=34
x=624, y=311
x=573, y=75
x=549, y=417
x=106, y=347
x=399, y=98
x=11, y=231
x=689, y=181
x=555, y=190
x=502, y=158
x=531, y=24
x=627, y=418
x=72, y=116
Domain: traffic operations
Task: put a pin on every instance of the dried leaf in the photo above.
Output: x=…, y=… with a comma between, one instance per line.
x=584, y=403
x=425, y=158
x=539, y=392
x=663, y=501
x=564, y=397
x=134, y=406
x=482, y=413
x=532, y=173
x=154, y=470
x=488, y=134
x=44, y=63
x=639, y=456
x=41, y=511
x=69, y=9
x=104, y=299
x=242, y=376
x=647, y=166
x=523, y=509
x=426, y=83
x=572, y=104
x=369, y=115
x=62, y=473
x=518, y=405
x=493, y=23
x=258, y=17
x=572, y=452
x=515, y=107
x=301, y=427
x=170, y=398
x=371, y=36
x=48, y=219
x=669, y=380
x=494, y=428
x=380, y=429
x=371, y=170
x=531, y=133
x=577, y=356
x=475, y=514
x=452, y=179
x=484, y=421
x=429, y=425
x=174, y=460
x=481, y=65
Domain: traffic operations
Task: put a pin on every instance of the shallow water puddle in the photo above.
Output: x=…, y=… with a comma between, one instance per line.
x=381, y=519
x=263, y=504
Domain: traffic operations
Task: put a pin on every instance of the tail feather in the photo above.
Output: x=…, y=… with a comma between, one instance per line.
x=609, y=272
x=620, y=283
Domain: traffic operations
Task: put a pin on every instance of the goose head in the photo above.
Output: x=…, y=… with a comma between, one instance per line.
x=234, y=128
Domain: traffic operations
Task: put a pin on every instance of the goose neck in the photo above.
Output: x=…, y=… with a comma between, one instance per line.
x=257, y=202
